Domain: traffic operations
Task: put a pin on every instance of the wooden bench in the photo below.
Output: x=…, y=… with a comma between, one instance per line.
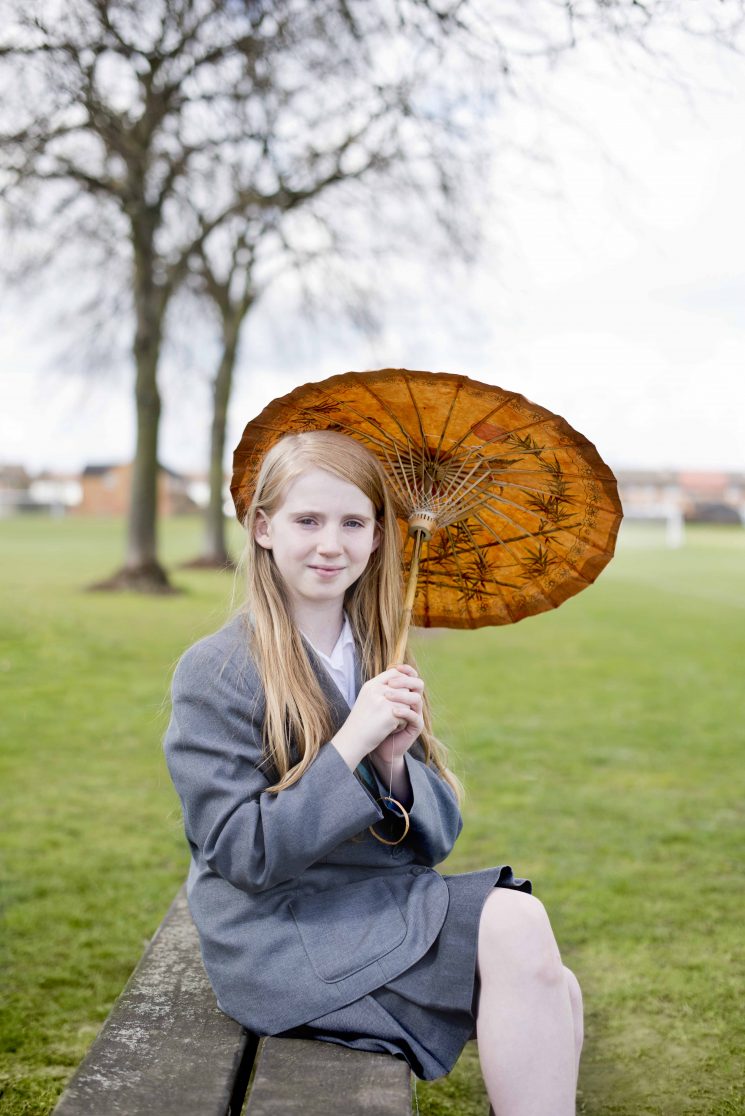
x=167, y=1049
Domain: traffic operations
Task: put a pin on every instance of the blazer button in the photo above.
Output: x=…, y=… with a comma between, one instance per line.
x=418, y=870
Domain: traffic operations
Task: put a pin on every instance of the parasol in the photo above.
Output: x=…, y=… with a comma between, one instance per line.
x=505, y=510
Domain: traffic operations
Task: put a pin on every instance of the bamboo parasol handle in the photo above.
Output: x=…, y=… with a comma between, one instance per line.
x=403, y=630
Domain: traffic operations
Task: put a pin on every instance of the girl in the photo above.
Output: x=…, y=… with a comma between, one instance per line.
x=317, y=803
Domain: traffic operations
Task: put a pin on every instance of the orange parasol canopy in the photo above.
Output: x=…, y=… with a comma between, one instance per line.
x=504, y=508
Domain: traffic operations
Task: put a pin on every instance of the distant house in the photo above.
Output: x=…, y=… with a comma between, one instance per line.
x=56, y=493
x=106, y=488
x=713, y=497
x=706, y=496
x=14, y=489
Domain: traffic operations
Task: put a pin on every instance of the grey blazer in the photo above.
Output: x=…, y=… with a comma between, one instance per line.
x=294, y=918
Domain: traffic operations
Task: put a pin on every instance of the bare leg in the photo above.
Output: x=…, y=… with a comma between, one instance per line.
x=525, y=1026
x=575, y=998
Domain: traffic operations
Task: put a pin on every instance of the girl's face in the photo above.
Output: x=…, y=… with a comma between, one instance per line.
x=321, y=536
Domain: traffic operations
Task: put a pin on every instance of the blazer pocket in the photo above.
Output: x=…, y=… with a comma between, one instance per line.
x=348, y=928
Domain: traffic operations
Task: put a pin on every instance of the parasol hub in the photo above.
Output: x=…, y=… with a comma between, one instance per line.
x=423, y=521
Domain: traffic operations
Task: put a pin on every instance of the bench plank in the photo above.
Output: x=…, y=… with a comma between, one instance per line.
x=166, y=1048
x=312, y=1078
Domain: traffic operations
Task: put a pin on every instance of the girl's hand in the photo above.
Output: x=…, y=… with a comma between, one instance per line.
x=405, y=694
x=383, y=703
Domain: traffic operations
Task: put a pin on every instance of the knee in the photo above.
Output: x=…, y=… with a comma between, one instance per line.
x=516, y=938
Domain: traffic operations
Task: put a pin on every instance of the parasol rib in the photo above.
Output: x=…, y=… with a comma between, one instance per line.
x=415, y=405
x=391, y=414
x=509, y=398
x=493, y=532
x=451, y=408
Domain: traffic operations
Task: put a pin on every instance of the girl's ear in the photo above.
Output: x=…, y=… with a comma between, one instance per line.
x=377, y=536
x=263, y=530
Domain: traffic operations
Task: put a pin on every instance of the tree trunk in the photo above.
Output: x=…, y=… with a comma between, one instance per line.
x=141, y=570
x=143, y=510
x=214, y=551
x=215, y=546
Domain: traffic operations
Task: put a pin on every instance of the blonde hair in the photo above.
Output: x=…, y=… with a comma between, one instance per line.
x=296, y=707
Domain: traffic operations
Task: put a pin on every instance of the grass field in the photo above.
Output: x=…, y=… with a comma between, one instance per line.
x=601, y=745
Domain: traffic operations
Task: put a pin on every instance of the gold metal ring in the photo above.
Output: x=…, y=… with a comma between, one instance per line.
x=405, y=815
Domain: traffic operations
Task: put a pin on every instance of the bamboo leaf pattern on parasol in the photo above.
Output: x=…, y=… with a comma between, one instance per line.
x=505, y=510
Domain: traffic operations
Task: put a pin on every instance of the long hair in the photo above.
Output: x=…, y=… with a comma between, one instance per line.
x=297, y=710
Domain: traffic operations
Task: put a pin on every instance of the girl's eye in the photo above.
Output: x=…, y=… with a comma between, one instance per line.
x=305, y=519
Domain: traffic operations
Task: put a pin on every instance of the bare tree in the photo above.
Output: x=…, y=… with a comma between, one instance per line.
x=171, y=119
x=165, y=123
x=231, y=273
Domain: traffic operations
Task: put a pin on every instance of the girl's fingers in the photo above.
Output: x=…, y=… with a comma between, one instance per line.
x=406, y=712
x=410, y=712
x=404, y=668
x=407, y=683
x=408, y=696
x=407, y=701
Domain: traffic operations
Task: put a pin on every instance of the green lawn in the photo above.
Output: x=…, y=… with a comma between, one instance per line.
x=602, y=748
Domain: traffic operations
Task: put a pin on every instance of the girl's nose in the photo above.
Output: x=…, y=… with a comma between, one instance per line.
x=329, y=543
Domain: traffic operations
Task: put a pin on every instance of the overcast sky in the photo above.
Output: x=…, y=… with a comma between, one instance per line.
x=620, y=304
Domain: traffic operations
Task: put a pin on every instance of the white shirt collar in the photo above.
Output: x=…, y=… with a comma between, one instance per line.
x=340, y=663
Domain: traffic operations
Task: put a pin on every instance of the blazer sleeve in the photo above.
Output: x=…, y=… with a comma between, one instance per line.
x=213, y=750
x=435, y=819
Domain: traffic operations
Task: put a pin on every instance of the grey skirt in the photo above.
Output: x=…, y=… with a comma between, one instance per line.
x=427, y=1014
